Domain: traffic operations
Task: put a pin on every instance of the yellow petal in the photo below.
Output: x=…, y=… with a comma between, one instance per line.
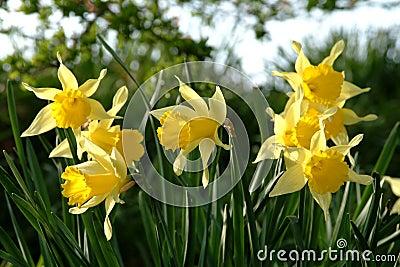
x=193, y=99
x=99, y=154
x=292, y=115
x=119, y=101
x=120, y=169
x=318, y=142
x=394, y=184
x=217, y=106
x=342, y=138
x=294, y=79
x=62, y=150
x=42, y=93
x=302, y=62
x=291, y=181
x=97, y=112
x=133, y=150
x=359, y=178
x=206, y=147
x=66, y=77
x=42, y=123
x=269, y=150
x=77, y=210
x=349, y=90
x=91, y=85
x=179, y=163
x=345, y=149
x=324, y=201
x=109, y=203
x=350, y=117
x=336, y=50
x=91, y=167
x=395, y=208
x=296, y=47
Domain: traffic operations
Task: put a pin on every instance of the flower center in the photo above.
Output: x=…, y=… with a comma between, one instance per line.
x=70, y=109
x=80, y=187
x=326, y=172
x=197, y=129
x=322, y=84
x=105, y=138
x=177, y=131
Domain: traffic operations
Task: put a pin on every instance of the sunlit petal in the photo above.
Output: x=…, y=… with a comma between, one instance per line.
x=395, y=208
x=350, y=117
x=193, y=99
x=217, y=106
x=66, y=77
x=293, y=78
x=62, y=150
x=42, y=123
x=360, y=178
x=206, y=147
x=324, y=201
x=97, y=111
x=133, y=149
x=291, y=181
x=99, y=155
x=336, y=50
x=42, y=93
x=394, y=184
x=119, y=164
x=318, y=142
x=350, y=90
x=91, y=85
x=269, y=150
x=109, y=203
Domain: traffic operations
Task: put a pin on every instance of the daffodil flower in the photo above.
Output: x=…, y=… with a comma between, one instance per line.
x=106, y=136
x=185, y=128
x=92, y=182
x=395, y=186
x=71, y=106
x=294, y=127
x=323, y=168
x=321, y=84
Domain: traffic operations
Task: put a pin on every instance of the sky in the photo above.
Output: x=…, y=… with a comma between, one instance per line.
x=253, y=53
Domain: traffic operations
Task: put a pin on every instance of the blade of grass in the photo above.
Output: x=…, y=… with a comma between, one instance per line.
x=12, y=259
x=10, y=247
x=17, y=175
x=12, y=112
x=36, y=173
x=19, y=234
x=150, y=228
x=381, y=165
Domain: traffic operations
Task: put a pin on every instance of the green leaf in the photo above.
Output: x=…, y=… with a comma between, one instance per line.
x=12, y=259
x=382, y=164
x=19, y=178
x=28, y=211
x=94, y=242
x=19, y=234
x=150, y=228
x=9, y=245
x=7, y=183
x=12, y=111
x=36, y=173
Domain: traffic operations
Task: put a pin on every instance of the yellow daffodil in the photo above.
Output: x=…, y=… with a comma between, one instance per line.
x=321, y=84
x=101, y=133
x=185, y=128
x=395, y=186
x=294, y=127
x=323, y=168
x=71, y=106
x=102, y=179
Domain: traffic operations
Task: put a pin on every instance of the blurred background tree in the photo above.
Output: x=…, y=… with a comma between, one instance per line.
x=148, y=40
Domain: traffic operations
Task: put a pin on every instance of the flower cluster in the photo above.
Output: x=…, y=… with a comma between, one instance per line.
x=313, y=115
x=104, y=176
